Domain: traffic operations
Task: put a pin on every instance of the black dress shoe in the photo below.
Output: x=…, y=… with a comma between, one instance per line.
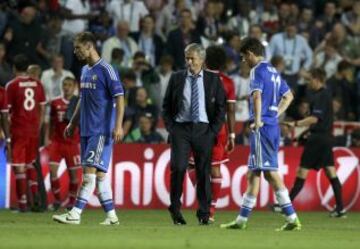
x=177, y=217
x=204, y=221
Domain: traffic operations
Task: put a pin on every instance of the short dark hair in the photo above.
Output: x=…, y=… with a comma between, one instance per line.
x=117, y=53
x=166, y=59
x=129, y=75
x=215, y=58
x=343, y=65
x=139, y=54
x=21, y=62
x=86, y=37
x=252, y=45
x=276, y=60
x=318, y=73
x=67, y=78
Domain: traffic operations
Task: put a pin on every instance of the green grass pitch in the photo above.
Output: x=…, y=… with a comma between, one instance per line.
x=153, y=229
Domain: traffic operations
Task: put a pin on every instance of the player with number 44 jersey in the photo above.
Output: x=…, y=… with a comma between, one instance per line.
x=26, y=101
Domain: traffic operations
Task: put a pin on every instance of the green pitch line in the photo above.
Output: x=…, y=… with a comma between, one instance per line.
x=153, y=229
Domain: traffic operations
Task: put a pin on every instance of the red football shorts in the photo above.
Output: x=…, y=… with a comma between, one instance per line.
x=70, y=152
x=24, y=150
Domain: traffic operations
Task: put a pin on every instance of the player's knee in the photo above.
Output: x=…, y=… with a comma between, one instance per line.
x=301, y=173
x=330, y=172
x=87, y=179
x=215, y=172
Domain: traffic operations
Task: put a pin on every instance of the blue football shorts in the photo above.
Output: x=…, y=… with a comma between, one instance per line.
x=96, y=151
x=264, y=147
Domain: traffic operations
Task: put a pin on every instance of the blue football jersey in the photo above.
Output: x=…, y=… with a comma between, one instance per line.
x=265, y=78
x=99, y=85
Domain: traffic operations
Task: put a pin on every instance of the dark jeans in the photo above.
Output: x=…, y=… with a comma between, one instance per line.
x=198, y=138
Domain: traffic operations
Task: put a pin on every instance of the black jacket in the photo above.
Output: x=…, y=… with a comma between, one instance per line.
x=214, y=97
x=158, y=43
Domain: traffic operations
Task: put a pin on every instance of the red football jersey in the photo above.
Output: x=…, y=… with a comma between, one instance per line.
x=229, y=87
x=24, y=96
x=3, y=100
x=58, y=107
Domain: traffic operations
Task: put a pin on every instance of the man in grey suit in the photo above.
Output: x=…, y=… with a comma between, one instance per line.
x=193, y=112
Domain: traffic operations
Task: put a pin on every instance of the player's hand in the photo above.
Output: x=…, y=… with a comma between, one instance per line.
x=256, y=125
x=230, y=145
x=69, y=130
x=291, y=124
x=118, y=134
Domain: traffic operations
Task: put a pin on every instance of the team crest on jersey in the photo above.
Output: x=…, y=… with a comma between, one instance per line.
x=94, y=77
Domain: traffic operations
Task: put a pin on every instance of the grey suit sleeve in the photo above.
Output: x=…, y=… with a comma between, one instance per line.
x=220, y=107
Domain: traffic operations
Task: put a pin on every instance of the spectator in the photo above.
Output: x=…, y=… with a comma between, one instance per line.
x=328, y=59
x=169, y=17
x=347, y=46
x=342, y=89
x=207, y=25
x=278, y=62
x=240, y=23
x=6, y=73
x=3, y=18
x=146, y=77
x=142, y=106
x=120, y=40
x=285, y=17
x=329, y=18
x=102, y=27
x=338, y=110
x=144, y=133
x=232, y=48
x=130, y=11
x=53, y=77
x=24, y=34
x=149, y=42
x=306, y=20
x=268, y=17
x=296, y=52
x=117, y=61
x=129, y=81
x=164, y=71
x=77, y=14
x=256, y=31
x=53, y=42
x=242, y=89
x=179, y=38
x=351, y=19
x=302, y=109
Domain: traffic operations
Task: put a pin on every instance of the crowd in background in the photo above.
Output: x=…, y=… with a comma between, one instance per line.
x=145, y=40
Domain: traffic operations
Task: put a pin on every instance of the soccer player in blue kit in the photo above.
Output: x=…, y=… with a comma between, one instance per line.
x=100, y=110
x=269, y=97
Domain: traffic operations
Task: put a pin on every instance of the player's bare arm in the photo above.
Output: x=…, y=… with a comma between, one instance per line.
x=230, y=112
x=303, y=122
x=118, y=132
x=257, y=110
x=69, y=130
x=285, y=102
